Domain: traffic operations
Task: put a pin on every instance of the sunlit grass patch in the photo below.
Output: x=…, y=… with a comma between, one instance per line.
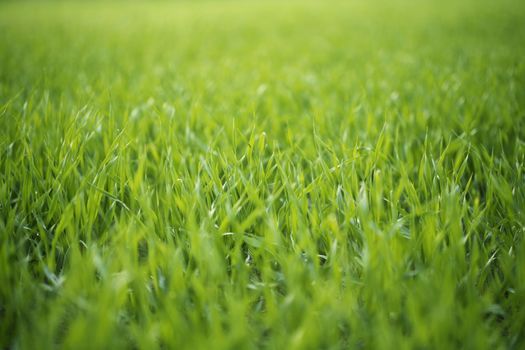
x=229, y=174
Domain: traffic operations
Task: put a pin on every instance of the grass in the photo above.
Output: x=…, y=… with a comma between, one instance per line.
x=241, y=174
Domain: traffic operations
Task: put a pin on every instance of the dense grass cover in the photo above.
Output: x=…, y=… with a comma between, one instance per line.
x=261, y=174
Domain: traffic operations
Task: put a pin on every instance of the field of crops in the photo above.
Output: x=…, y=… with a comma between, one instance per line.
x=252, y=174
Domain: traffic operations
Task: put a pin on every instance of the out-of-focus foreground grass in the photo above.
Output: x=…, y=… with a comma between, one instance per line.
x=230, y=174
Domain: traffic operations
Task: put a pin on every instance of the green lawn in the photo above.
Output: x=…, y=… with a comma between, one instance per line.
x=249, y=174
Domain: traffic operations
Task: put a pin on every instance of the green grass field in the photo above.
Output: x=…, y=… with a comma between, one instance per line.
x=278, y=175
